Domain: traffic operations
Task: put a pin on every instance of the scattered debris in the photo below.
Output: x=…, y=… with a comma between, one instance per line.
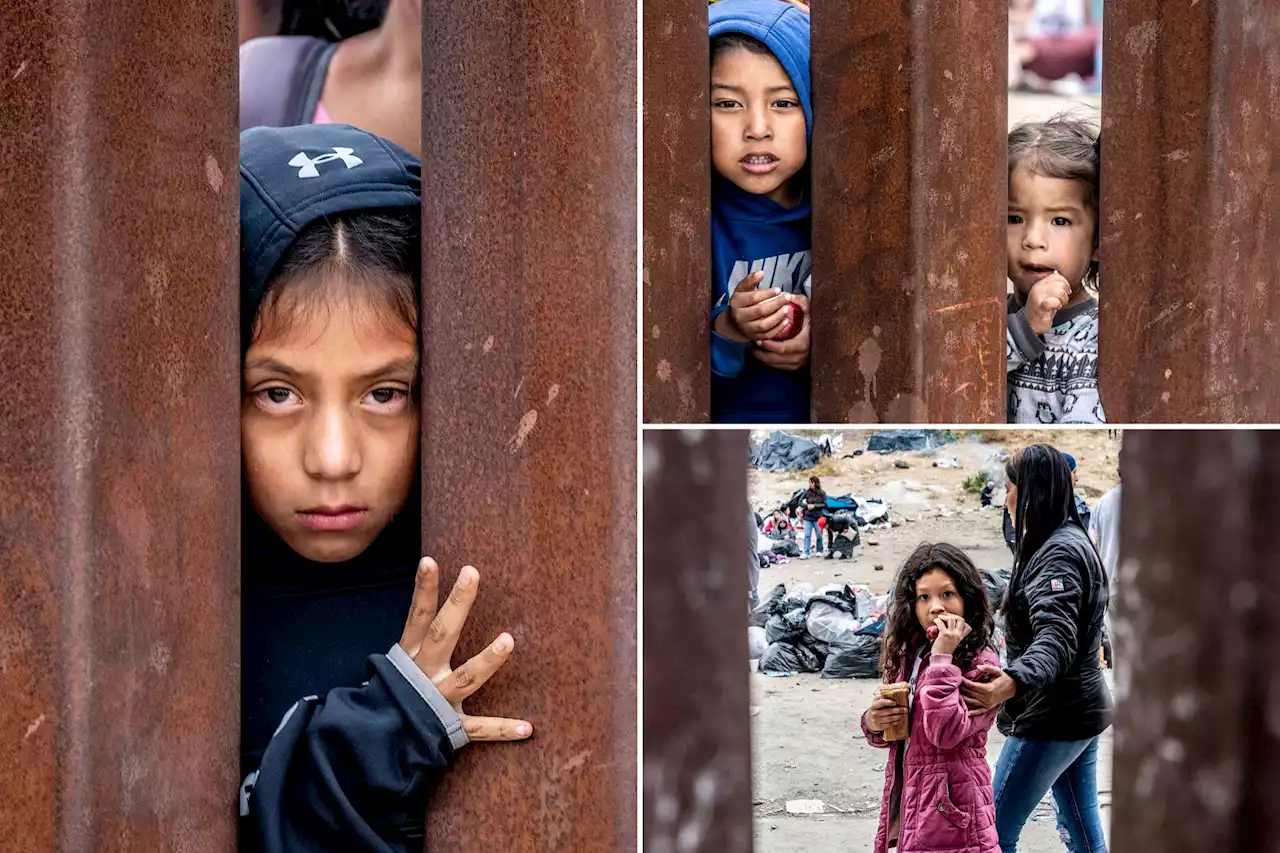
x=804, y=807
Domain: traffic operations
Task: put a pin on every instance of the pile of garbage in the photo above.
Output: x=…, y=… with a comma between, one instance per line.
x=835, y=630
x=783, y=451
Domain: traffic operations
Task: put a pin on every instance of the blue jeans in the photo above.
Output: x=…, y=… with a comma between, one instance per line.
x=1025, y=772
x=812, y=526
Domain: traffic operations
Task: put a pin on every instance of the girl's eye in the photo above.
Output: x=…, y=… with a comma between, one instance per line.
x=276, y=397
x=948, y=594
x=784, y=104
x=1015, y=219
x=1061, y=221
x=390, y=398
x=724, y=104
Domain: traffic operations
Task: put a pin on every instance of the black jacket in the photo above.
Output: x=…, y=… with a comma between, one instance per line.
x=341, y=733
x=1053, y=628
x=814, y=496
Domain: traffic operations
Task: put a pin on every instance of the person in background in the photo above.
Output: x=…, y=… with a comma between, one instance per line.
x=1104, y=529
x=372, y=80
x=815, y=505
x=753, y=564
x=1081, y=506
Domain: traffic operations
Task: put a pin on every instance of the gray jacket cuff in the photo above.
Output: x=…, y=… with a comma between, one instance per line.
x=430, y=694
x=1028, y=342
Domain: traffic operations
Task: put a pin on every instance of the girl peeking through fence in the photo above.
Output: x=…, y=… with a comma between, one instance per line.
x=760, y=211
x=937, y=785
x=349, y=709
x=1052, y=247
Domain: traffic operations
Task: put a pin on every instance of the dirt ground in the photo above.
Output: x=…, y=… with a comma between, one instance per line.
x=807, y=742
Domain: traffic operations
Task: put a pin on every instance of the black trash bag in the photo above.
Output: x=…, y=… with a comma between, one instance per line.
x=786, y=627
x=819, y=649
x=767, y=607
x=904, y=440
x=785, y=657
x=996, y=583
x=782, y=451
x=860, y=659
x=787, y=547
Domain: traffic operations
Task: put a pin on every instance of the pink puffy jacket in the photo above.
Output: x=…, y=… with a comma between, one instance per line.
x=947, y=802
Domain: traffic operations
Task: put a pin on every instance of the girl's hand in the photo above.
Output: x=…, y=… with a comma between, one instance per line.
x=430, y=637
x=981, y=697
x=884, y=713
x=792, y=354
x=756, y=314
x=952, y=630
x=1048, y=296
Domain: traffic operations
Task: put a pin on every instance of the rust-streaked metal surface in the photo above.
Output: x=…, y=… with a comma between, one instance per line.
x=120, y=460
x=676, y=331
x=529, y=417
x=1197, y=748
x=697, y=731
x=909, y=187
x=1190, y=282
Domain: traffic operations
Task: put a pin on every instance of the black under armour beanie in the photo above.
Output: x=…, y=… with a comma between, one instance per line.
x=292, y=176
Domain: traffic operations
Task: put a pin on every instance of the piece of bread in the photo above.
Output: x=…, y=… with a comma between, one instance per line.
x=898, y=693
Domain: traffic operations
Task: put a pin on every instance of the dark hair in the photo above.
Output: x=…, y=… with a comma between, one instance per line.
x=815, y=482
x=1066, y=147
x=902, y=630
x=332, y=20
x=377, y=251
x=734, y=41
x=1046, y=500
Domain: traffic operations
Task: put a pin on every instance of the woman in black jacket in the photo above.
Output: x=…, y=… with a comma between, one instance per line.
x=1056, y=703
x=814, y=503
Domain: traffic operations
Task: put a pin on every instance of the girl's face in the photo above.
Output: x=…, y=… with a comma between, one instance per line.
x=936, y=594
x=329, y=428
x=1051, y=227
x=757, y=124
x=1011, y=498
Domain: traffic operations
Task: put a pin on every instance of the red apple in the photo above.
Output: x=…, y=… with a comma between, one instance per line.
x=792, y=325
x=931, y=632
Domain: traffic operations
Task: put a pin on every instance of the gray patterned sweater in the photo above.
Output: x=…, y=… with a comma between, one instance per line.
x=1054, y=379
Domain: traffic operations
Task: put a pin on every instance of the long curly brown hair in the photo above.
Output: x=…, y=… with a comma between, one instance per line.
x=902, y=632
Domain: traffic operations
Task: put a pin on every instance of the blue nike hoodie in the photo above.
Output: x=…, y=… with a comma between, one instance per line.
x=751, y=233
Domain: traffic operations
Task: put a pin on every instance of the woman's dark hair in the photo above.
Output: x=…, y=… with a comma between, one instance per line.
x=1066, y=147
x=734, y=41
x=815, y=482
x=332, y=20
x=902, y=630
x=378, y=251
x=1046, y=499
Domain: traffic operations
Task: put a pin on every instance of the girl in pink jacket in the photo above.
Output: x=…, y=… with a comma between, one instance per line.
x=937, y=786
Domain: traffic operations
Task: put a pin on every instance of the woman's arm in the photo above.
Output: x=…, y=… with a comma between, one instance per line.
x=941, y=714
x=1053, y=594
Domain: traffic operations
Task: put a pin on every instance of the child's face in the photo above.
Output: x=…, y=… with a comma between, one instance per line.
x=1050, y=227
x=330, y=429
x=757, y=124
x=936, y=594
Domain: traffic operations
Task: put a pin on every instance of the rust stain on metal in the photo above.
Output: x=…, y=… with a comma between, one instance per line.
x=529, y=238
x=697, y=734
x=1197, y=759
x=677, y=230
x=909, y=188
x=1191, y=206
x=119, y=472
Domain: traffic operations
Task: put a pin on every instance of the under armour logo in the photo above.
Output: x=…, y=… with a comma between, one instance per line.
x=308, y=166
